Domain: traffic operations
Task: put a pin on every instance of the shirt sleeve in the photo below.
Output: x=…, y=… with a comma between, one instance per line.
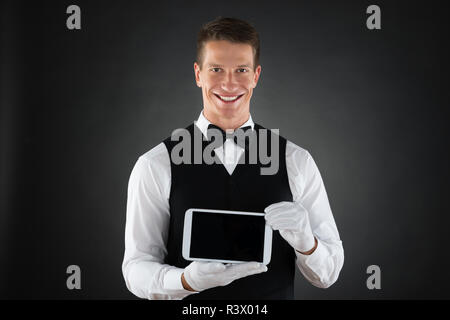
x=146, y=230
x=323, y=266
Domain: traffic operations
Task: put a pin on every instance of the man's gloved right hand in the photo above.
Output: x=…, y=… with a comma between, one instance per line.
x=204, y=275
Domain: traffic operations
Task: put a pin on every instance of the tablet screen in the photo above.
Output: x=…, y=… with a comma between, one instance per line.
x=227, y=236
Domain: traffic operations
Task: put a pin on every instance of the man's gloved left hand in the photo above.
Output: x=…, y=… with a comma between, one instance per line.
x=292, y=220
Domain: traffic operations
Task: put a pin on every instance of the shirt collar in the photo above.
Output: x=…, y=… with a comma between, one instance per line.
x=202, y=123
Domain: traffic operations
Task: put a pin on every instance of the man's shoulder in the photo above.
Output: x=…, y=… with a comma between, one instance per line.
x=293, y=147
x=157, y=154
x=151, y=167
x=297, y=155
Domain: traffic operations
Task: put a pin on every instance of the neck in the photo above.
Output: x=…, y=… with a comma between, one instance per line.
x=227, y=123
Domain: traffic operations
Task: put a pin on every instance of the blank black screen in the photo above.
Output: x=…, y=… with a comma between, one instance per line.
x=227, y=236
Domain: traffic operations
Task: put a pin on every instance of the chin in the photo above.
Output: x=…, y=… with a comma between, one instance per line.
x=228, y=112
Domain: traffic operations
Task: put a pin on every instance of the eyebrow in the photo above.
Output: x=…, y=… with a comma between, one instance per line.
x=219, y=66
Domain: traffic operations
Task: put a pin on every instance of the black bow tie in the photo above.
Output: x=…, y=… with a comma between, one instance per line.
x=235, y=135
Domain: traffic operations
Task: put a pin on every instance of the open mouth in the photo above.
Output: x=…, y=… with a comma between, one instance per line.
x=228, y=99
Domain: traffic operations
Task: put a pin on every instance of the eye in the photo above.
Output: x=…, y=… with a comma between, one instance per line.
x=215, y=69
x=242, y=70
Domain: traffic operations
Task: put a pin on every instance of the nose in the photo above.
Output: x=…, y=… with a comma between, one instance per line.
x=229, y=82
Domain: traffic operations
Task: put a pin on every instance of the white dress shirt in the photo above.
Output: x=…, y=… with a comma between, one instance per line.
x=148, y=215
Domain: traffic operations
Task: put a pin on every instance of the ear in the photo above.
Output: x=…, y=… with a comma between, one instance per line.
x=256, y=76
x=197, y=74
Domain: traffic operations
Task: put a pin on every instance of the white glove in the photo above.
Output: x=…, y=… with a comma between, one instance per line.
x=204, y=275
x=291, y=219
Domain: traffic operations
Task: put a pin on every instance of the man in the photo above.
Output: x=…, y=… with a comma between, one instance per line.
x=294, y=198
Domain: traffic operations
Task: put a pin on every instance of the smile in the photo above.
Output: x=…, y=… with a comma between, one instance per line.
x=228, y=99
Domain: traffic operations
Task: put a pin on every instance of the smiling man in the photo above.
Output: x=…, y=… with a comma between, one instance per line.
x=227, y=78
x=293, y=197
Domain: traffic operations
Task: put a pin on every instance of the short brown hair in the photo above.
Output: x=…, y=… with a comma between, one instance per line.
x=231, y=29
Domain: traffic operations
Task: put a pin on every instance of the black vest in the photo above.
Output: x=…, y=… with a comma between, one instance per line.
x=245, y=190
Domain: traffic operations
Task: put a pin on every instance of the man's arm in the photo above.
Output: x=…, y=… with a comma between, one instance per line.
x=307, y=253
x=185, y=284
x=146, y=234
x=146, y=230
x=322, y=264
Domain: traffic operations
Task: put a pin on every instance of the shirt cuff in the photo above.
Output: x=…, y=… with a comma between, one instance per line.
x=314, y=258
x=172, y=281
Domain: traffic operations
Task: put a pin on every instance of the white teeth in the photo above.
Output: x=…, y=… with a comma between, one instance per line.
x=228, y=98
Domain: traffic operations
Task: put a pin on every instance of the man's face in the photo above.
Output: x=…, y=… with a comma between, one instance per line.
x=227, y=79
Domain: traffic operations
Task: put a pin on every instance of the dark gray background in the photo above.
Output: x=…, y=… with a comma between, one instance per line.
x=79, y=107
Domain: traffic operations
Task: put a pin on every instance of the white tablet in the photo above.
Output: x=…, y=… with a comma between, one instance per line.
x=226, y=236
